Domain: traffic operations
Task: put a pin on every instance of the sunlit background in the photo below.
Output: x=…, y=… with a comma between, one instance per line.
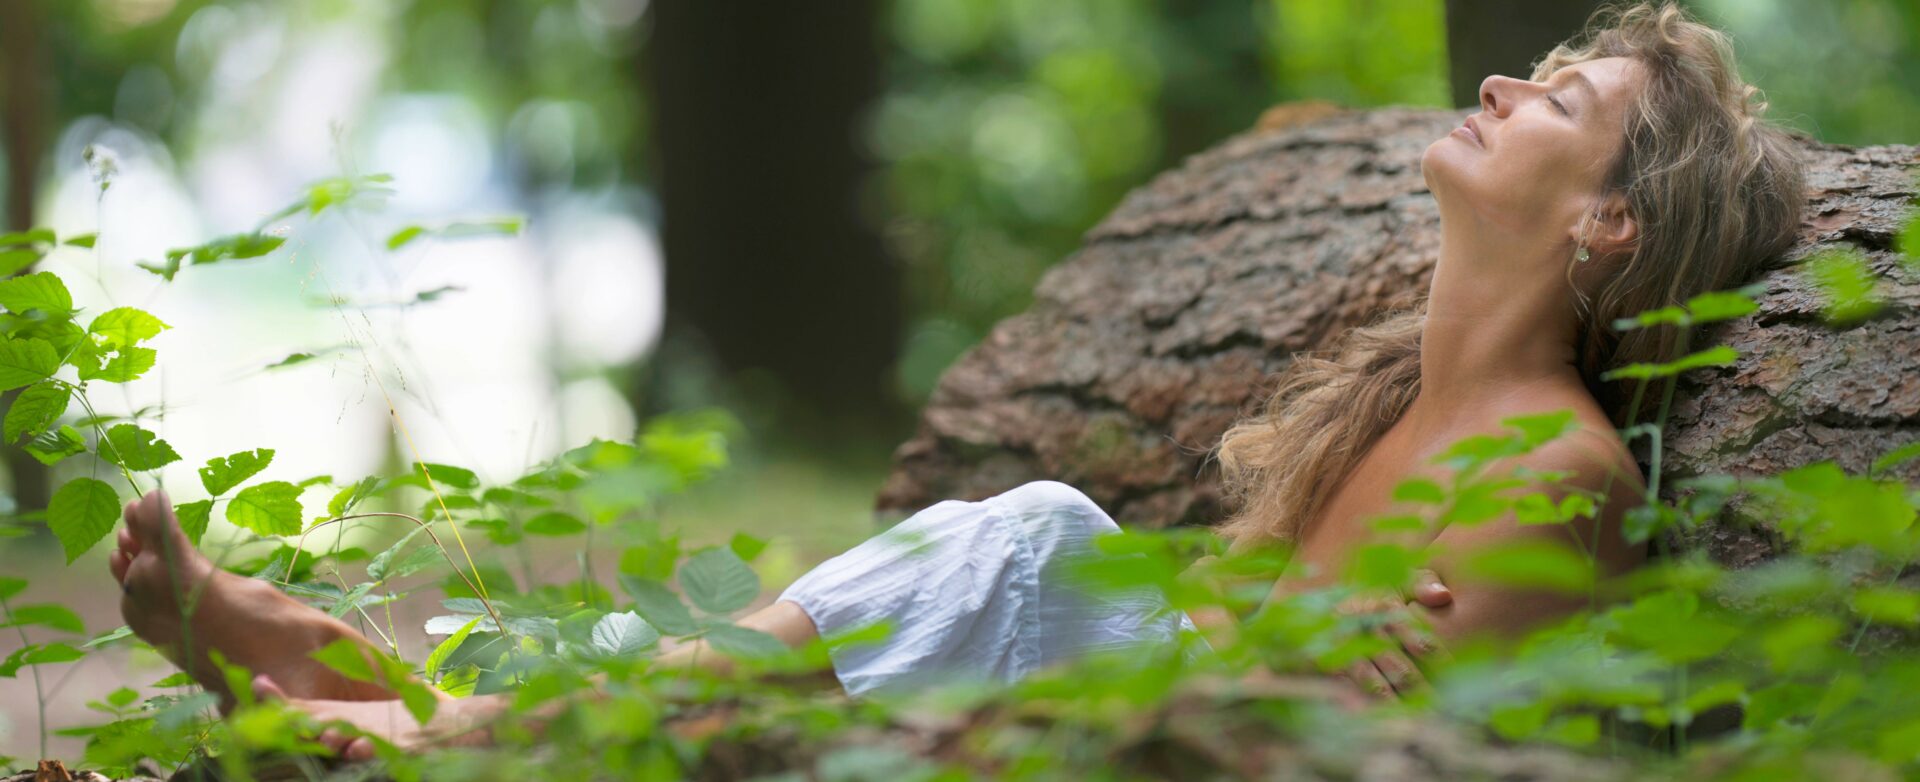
x=984, y=137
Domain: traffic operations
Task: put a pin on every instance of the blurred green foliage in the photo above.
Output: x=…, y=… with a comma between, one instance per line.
x=1006, y=129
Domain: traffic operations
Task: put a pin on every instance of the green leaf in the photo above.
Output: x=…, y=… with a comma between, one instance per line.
x=65, y=336
x=718, y=581
x=1799, y=643
x=1478, y=502
x=438, y=656
x=652, y=558
x=501, y=495
x=137, y=449
x=1399, y=523
x=623, y=635
x=82, y=240
x=448, y=475
x=1573, y=730
x=1892, y=459
x=419, y=700
x=126, y=326
x=379, y=568
x=1541, y=428
x=737, y=641
x=1888, y=605
x=271, y=508
x=52, y=446
x=10, y=586
x=401, y=237
x=235, y=247
x=349, y=600
x=498, y=226
x=123, y=697
x=25, y=362
x=194, y=517
x=346, y=498
x=108, y=637
x=1909, y=243
x=12, y=260
x=81, y=513
x=1715, y=695
x=38, y=291
x=16, y=259
x=1724, y=305
x=52, y=615
x=658, y=605
x=1846, y=284
x=1383, y=565
x=38, y=654
x=746, y=546
x=222, y=474
x=291, y=359
x=36, y=409
x=554, y=523
x=1419, y=490
x=354, y=660
x=127, y=364
x=325, y=194
x=1670, y=625
x=30, y=236
x=1641, y=522
x=1717, y=356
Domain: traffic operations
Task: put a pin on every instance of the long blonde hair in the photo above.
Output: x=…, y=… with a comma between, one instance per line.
x=1715, y=192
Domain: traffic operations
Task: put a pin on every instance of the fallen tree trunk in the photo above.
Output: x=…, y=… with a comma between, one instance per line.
x=1142, y=347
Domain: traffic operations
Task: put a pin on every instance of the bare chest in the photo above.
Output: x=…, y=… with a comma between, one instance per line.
x=1341, y=525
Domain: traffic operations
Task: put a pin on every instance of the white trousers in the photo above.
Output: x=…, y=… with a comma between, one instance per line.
x=979, y=591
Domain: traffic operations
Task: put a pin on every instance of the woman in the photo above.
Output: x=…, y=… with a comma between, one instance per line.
x=1629, y=173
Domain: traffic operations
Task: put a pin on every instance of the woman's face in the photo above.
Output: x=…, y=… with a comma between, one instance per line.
x=1543, y=149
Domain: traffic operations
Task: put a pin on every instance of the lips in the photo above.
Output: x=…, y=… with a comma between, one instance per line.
x=1474, y=128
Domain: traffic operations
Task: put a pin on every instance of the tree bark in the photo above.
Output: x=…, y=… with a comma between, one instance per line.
x=1143, y=346
x=758, y=114
x=23, y=131
x=1486, y=37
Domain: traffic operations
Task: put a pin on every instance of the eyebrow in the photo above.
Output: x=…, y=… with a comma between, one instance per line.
x=1592, y=94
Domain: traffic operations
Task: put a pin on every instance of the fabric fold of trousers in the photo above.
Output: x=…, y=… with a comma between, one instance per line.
x=980, y=591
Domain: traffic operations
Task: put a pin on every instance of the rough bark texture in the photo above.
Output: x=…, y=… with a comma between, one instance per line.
x=1142, y=347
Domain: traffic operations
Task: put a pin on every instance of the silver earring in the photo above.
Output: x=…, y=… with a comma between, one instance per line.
x=1580, y=256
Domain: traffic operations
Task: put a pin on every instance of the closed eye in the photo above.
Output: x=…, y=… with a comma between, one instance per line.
x=1558, y=105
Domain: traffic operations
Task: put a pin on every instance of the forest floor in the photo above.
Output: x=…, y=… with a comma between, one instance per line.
x=806, y=510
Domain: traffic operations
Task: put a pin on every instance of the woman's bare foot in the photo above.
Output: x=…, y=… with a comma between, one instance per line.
x=251, y=623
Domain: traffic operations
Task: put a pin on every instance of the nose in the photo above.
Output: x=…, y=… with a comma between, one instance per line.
x=1497, y=94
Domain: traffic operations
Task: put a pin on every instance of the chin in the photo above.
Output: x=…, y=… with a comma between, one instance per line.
x=1436, y=165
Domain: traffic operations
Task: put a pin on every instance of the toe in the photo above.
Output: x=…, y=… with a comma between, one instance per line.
x=265, y=689
x=128, y=545
x=140, y=522
x=117, y=564
x=154, y=524
x=335, y=740
x=360, y=749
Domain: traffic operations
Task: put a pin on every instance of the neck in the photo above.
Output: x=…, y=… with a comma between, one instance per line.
x=1498, y=324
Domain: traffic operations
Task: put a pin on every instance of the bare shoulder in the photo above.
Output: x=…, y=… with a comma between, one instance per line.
x=1592, y=454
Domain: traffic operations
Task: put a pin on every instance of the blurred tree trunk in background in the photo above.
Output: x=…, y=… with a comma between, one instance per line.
x=23, y=128
x=1215, y=83
x=1485, y=37
x=771, y=263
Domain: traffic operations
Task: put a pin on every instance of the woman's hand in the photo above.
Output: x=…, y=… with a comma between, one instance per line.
x=1396, y=673
x=455, y=723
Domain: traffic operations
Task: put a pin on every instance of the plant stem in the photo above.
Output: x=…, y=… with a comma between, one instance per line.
x=39, y=694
